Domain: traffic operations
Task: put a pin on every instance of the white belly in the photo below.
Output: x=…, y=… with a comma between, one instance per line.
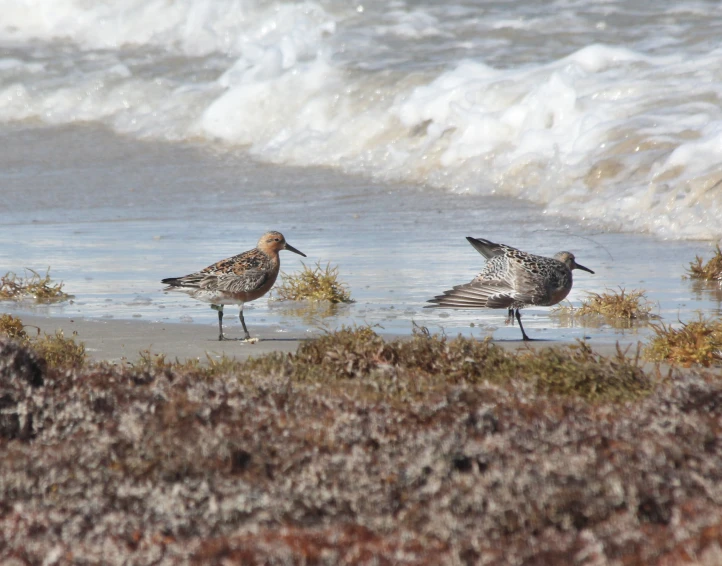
x=212, y=297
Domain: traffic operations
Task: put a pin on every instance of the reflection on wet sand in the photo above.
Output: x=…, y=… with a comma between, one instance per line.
x=310, y=312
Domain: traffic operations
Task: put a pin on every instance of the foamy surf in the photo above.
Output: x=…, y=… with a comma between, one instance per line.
x=515, y=102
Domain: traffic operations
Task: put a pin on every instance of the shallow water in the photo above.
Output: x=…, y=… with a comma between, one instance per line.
x=111, y=216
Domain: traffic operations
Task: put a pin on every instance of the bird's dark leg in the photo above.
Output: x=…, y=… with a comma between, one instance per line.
x=243, y=322
x=510, y=316
x=518, y=319
x=219, y=308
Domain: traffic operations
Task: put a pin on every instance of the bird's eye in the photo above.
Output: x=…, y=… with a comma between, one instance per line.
x=277, y=239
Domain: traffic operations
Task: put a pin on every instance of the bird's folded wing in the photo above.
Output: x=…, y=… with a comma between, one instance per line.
x=248, y=281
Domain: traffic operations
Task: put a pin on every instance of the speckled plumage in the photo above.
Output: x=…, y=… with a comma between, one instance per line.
x=236, y=280
x=512, y=279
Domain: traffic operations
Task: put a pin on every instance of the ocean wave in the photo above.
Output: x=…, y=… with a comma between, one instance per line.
x=613, y=135
x=195, y=27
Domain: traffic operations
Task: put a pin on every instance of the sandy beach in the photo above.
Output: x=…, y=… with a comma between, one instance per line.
x=122, y=341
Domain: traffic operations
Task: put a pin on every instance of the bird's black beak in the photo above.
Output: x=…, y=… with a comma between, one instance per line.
x=290, y=248
x=583, y=268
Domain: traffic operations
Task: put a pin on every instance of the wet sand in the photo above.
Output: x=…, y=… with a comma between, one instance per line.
x=122, y=341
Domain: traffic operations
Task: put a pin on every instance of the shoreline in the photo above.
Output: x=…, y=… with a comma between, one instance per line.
x=111, y=238
x=121, y=341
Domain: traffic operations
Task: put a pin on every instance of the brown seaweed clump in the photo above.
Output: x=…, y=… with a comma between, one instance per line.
x=320, y=284
x=12, y=327
x=358, y=450
x=618, y=307
x=40, y=288
x=696, y=343
x=405, y=367
x=56, y=350
x=710, y=271
x=59, y=351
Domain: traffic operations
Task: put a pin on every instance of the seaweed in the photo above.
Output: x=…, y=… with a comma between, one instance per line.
x=40, y=288
x=57, y=350
x=313, y=284
x=12, y=327
x=710, y=271
x=619, y=308
x=696, y=343
x=429, y=450
x=411, y=367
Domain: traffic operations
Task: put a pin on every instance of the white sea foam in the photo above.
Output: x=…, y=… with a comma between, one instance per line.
x=196, y=27
x=626, y=135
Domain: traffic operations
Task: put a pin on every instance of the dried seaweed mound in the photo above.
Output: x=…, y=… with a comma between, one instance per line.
x=166, y=465
x=12, y=327
x=405, y=367
x=697, y=342
x=56, y=350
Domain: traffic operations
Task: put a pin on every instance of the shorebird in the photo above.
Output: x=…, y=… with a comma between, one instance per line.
x=512, y=279
x=236, y=280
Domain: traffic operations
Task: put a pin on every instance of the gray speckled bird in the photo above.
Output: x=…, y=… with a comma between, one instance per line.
x=236, y=280
x=512, y=279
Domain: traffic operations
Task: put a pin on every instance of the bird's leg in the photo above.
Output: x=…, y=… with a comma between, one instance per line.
x=518, y=318
x=243, y=322
x=510, y=316
x=219, y=308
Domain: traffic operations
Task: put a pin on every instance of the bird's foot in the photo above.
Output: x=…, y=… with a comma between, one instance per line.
x=246, y=340
x=510, y=317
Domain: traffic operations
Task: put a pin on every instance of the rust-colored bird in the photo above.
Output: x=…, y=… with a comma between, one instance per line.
x=236, y=280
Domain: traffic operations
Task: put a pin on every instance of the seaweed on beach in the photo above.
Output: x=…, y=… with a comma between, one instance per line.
x=12, y=327
x=624, y=306
x=710, y=271
x=38, y=287
x=60, y=351
x=482, y=459
x=698, y=342
x=209, y=368
x=313, y=284
x=56, y=350
x=407, y=367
